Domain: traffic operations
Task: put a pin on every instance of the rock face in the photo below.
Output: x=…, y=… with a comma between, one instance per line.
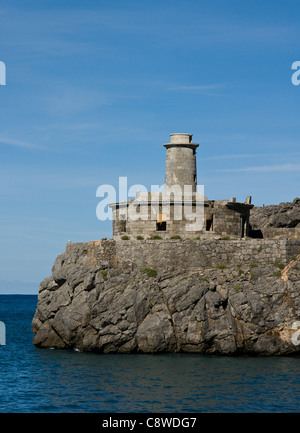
x=265, y=221
x=97, y=306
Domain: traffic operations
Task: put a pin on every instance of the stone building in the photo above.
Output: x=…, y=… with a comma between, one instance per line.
x=180, y=210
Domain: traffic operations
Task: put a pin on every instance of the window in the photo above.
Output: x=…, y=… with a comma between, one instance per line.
x=161, y=222
x=161, y=227
x=209, y=224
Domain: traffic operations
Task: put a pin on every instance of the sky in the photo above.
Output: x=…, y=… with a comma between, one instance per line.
x=93, y=90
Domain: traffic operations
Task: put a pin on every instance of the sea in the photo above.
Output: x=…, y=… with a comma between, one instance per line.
x=36, y=380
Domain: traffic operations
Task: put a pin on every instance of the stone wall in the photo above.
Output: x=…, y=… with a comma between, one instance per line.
x=284, y=232
x=227, y=219
x=187, y=254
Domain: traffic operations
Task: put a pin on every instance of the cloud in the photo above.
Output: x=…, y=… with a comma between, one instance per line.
x=249, y=155
x=18, y=143
x=234, y=156
x=198, y=87
x=204, y=89
x=263, y=168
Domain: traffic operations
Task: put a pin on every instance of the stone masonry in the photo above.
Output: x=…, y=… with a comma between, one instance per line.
x=185, y=254
x=164, y=213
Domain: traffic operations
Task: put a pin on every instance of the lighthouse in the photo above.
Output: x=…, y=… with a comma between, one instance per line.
x=180, y=211
x=181, y=161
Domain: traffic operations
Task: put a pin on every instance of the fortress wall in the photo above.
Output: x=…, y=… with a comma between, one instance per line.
x=175, y=255
x=197, y=254
x=279, y=233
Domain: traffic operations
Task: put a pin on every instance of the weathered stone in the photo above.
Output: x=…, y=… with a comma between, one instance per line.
x=276, y=221
x=99, y=304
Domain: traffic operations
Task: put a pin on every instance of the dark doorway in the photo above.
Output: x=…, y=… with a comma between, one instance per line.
x=123, y=226
x=209, y=225
x=243, y=226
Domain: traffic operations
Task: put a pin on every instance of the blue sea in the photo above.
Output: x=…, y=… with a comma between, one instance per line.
x=52, y=381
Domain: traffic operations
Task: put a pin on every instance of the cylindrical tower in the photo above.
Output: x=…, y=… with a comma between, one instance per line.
x=181, y=161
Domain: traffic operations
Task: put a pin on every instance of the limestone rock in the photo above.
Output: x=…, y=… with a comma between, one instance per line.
x=281, y=216
x=94, y=306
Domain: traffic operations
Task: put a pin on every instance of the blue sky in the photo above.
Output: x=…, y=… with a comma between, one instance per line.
x=93, y=90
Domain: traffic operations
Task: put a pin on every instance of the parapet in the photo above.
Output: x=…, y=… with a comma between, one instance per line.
x=181, y=139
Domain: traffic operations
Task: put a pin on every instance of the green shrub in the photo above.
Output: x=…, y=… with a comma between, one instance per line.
x=221, y=267
x=203, y=279
x=260, y=248
x=125, y=238
x=237, y=287
x=104, y=274
x=253, y=265
x=225, y=238
x=175, y=237
x=277, y=274
x=241, y=272
x=140, y=238
x=154, y=237
x=149, y=272
x=279, y=265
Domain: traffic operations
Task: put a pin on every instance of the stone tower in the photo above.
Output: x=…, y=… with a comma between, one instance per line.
x=188, y=215
x=181, y=161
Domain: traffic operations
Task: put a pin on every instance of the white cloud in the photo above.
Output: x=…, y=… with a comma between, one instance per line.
x=204, y=89
x=198, y=87
x=18, y=143
x=263, y=168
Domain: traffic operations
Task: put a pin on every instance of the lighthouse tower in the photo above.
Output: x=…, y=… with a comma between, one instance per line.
x=181, y=161
x=180, y=211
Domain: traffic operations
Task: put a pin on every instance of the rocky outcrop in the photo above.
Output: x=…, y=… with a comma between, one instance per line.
x=281, y=219
x=96, y=305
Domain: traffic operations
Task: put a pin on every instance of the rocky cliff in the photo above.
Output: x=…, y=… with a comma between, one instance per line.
x=281, y=219
x=97, y=305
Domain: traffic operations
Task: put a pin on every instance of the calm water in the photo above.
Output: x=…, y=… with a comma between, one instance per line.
x=44, y=380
